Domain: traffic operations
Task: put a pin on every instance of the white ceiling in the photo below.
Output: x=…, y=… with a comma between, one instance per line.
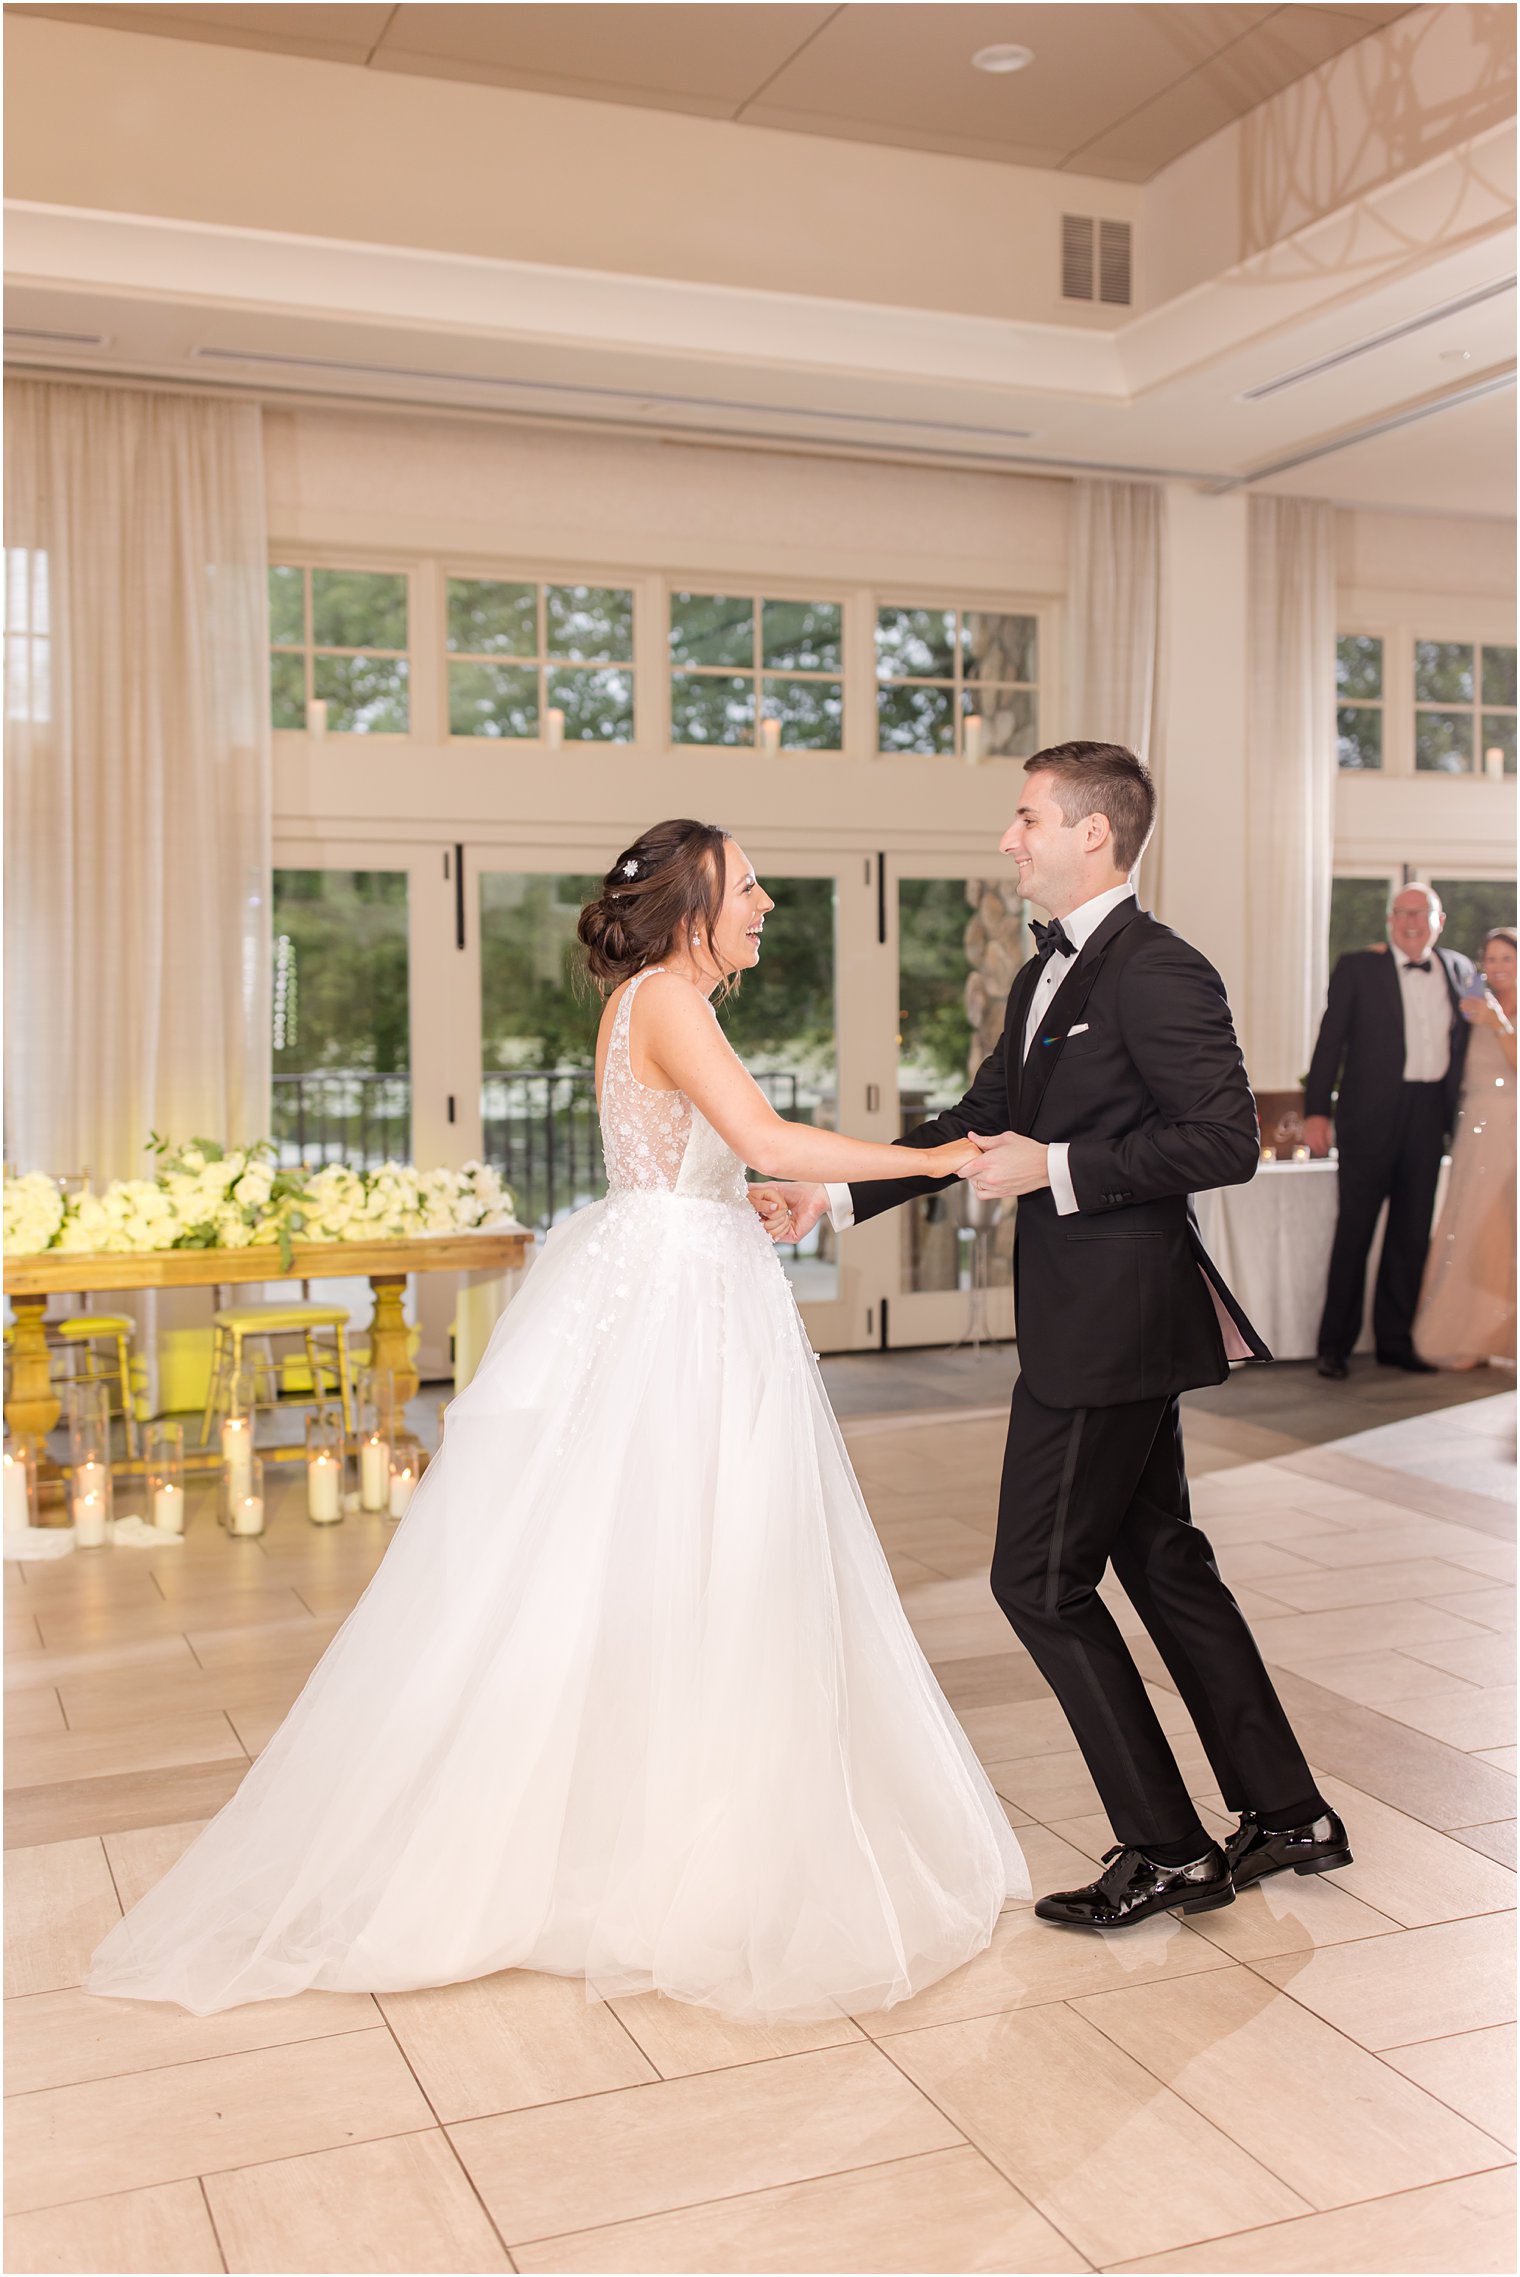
x=1113, y=91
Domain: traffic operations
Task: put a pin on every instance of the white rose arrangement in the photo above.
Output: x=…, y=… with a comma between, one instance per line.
x=209, y=1197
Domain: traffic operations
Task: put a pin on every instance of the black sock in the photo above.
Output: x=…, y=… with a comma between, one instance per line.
x=1292, y=1816
x=1184, y=1853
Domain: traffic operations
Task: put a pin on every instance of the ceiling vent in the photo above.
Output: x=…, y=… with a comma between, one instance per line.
x=1095, y=260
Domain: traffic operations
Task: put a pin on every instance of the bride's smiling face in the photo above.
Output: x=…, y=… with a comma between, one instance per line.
x=736, y=936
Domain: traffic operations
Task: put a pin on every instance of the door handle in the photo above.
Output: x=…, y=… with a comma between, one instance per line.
x=873, y=1098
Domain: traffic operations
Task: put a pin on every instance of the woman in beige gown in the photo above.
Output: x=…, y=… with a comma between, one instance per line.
x=1467, y=1305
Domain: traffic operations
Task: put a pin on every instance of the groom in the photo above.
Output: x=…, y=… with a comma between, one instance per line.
x=1116, y=1091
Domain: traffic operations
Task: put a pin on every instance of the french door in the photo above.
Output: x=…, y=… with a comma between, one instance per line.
x=428, y=1006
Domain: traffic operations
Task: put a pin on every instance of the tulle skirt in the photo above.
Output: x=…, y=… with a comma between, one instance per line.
x=631, y=1697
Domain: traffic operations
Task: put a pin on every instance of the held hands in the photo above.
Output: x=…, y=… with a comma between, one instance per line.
x=1006, y=1166
x=789, y=1211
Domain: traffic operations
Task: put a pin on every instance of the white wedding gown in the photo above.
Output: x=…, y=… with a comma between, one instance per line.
x=632, y=1696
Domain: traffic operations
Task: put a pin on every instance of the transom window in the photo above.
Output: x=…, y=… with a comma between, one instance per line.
x=1359, y=704
x=1464, y=697
x=339, y=637
x=521, y=652
x=938, y=669
x=737, y=661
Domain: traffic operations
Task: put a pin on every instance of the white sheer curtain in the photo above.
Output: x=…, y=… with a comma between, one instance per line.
x=1115, y=624
x=138, y=776
x=1290, y=781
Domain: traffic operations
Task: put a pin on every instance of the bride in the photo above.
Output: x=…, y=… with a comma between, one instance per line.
x=632, y=1696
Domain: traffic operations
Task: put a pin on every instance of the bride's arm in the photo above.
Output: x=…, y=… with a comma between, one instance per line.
x=686, y=1047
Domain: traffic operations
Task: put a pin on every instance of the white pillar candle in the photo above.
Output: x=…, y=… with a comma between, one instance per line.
x=18, y=1510
x=554, y=727
x=89, y=1478
x=89, y=1520
x=770, y=737
x=323, y=1490
x=316, y=718
x=237, y=1454
x=1493, y=762
x=169, y=1509
x=976, y=740
x=374, y=1474
x=403, y=1487
x=248, y=1514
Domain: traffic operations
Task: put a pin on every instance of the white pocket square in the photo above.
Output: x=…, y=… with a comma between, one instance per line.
x=1079, y=1030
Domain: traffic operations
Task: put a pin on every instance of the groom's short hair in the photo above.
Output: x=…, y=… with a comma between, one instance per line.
x=1102, y=778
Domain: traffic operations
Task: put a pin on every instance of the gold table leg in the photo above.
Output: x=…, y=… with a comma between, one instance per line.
x=388, y=1334
x=32, y=1408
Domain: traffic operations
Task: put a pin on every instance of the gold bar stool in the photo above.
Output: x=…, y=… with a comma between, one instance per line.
x=234, y=1326
x=99, y=1350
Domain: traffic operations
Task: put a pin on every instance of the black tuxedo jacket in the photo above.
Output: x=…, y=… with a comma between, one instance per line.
x=1360, y=1049
x=1119, y=1302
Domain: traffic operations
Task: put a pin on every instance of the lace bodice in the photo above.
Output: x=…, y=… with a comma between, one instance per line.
x=657, y=1142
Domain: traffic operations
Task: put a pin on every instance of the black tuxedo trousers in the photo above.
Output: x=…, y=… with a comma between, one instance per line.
x=1087, y=1487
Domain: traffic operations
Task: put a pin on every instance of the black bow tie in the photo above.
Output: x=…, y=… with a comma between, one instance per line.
x=1053, y=939
x=1414, y=965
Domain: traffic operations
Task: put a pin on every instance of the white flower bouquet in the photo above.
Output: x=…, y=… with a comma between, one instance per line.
x=209, y=1197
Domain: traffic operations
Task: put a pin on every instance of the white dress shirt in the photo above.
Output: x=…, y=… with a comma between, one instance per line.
x=1427, y=1019
x=1080, y=925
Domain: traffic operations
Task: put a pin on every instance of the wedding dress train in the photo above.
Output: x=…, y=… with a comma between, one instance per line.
x=632, y=1696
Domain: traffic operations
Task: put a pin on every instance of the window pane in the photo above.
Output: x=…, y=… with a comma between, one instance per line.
x=960, y=943
x=1443, y=672
x=590, y=624
x=1010, y=717
x=810, y=712
x=1498, y=675
x=1358, y=915
x=1358, y=665
x=915, y=644
x=915, y=719
x=493, y=699
x=598, y=706
x=803, y=636
x=365, y=695
x=287, y=608
x=711, y=710
x=1443, y=742
x=1499, y=735
x=1358, y=737
x=490, y=619
x=1474, y=906
x=711, y=628
x=1000, y=648
x=287, y=691
x=538, y=1044
x=341, y=1042
x=357, y=608
x=782, y=1024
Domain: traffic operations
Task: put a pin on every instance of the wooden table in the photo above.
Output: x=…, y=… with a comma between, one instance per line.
x=32, y=1409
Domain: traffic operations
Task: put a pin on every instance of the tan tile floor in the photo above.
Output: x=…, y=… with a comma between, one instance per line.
x=1319, y=2078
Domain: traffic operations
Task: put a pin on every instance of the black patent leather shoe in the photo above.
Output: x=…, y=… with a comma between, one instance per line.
x=1131, y=1887
x=1332, y=1365
x=1318, y=1848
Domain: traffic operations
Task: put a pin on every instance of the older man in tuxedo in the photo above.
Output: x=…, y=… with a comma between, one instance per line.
x=1386, y=1073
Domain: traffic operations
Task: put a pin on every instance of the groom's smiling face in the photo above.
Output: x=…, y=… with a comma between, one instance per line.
x=1062, y=863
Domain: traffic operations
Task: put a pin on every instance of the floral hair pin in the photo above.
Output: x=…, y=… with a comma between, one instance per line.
x=630, y=868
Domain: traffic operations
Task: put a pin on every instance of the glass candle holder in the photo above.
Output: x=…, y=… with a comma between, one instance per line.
x=374, y=1471
x=89, y=1465
x=164, y=1477
x=324, y=1469
x=245, y=1505
x=237, y=1432
x=18, y=1466
x=406, y=1469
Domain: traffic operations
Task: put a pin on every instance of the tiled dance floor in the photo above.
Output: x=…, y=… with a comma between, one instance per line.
x=1318, y=2078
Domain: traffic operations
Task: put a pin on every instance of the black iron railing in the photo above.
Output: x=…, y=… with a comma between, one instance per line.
x=539, y=1128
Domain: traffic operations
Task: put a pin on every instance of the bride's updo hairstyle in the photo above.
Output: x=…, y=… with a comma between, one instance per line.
x=661, y=890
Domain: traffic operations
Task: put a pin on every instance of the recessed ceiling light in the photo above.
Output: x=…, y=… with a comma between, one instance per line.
x=1001, y=59
x=1456, y=355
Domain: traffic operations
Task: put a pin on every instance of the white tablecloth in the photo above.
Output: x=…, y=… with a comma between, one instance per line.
x=1271, y=1241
